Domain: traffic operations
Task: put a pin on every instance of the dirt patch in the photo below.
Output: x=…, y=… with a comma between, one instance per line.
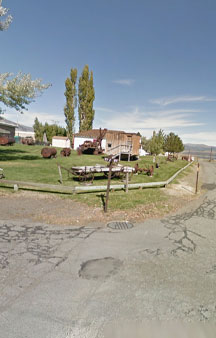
x=51, y=209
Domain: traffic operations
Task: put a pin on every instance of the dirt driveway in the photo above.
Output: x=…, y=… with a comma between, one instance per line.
x=51, y=209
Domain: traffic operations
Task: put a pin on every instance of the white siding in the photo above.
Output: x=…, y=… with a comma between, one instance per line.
x=80, y=140
x=24, y=133
x=58, y=143
x=103, y=144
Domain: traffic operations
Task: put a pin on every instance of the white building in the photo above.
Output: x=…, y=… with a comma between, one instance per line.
x=61, y=142
x=142, y=152
x=24, y=131
x=89, y=135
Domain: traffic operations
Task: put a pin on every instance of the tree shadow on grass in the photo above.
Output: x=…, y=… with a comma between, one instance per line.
x=15, y=155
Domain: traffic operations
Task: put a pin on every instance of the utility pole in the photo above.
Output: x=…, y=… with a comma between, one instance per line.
x=197, y=178
x=210, y=155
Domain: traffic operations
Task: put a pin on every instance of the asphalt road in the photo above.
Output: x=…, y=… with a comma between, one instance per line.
x=65, y=282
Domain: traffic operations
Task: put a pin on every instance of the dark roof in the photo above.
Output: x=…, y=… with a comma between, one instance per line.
x=21, y=127
x=94, y=133
x=6, y=122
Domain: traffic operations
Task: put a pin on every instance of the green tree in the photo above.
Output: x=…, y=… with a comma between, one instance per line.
x=38, y=130
x=50, y=130
x=156, y=143
x=173, y=143
x=71, y=103
x=86, y=98
x=145, y=143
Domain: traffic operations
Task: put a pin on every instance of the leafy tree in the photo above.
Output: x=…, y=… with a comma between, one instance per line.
x=156, y=143
x=38, y=130
x=173, y=143
x=145, y=143
x=6, y=23
x=86, y=99
x=50, y=130
x=18, y=91
x=71, y=102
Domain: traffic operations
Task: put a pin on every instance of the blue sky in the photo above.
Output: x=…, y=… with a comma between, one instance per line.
x=154, y=62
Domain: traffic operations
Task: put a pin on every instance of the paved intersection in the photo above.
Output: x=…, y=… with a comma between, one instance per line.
x=64, y=282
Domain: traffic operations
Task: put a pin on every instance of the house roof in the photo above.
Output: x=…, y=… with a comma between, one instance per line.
x=94, y=133
x=6, y=122
x=60, y=138
x=21, y=127
x=3, y=131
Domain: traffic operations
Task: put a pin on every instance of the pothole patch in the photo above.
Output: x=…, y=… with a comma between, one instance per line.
x=209, y=186
x=124, y=225
x=99, y=268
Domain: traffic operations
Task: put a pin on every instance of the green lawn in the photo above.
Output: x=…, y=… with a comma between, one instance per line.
x=24, y=163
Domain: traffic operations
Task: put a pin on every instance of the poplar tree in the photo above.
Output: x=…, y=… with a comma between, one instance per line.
x=86, y=99
x=71, y=103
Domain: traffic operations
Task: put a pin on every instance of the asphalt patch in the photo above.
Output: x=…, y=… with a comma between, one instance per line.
x=209, y=186
x=100, y=268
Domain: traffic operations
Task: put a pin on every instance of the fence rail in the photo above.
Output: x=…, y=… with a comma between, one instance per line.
x=72, y=190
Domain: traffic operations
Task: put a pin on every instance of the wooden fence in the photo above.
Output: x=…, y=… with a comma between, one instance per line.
x=75, y=189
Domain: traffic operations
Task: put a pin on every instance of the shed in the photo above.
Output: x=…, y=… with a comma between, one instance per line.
x=61, y=142
x=115, y=142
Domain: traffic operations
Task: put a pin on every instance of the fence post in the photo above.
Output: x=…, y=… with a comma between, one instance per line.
x=108, y=185
x=60, y=173
x=127, y=179
x=197, y=178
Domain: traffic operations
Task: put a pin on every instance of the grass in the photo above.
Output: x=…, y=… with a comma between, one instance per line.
x=24, y=163
x=119, y=200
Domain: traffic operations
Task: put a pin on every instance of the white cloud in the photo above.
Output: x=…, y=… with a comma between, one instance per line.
x=124, y=82
x=208, y=138
x=146, y=122
x=180, y=99
x=28, y=117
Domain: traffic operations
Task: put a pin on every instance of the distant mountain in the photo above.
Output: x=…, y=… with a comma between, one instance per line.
x=199, y=150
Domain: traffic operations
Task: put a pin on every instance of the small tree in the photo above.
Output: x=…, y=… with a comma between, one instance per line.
x=156, y=143
x=86, y=99
x=145, y=143
x=38, y=130
x=6, y=23
x=50, y=130
x=173, y=143
x=71, y=103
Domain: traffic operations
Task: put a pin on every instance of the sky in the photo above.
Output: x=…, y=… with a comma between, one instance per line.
x=153, y=62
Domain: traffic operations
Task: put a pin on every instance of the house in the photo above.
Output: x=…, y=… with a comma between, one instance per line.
x=114, y=142
x=61, y=142
x=24, y=131
x=7, y=128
